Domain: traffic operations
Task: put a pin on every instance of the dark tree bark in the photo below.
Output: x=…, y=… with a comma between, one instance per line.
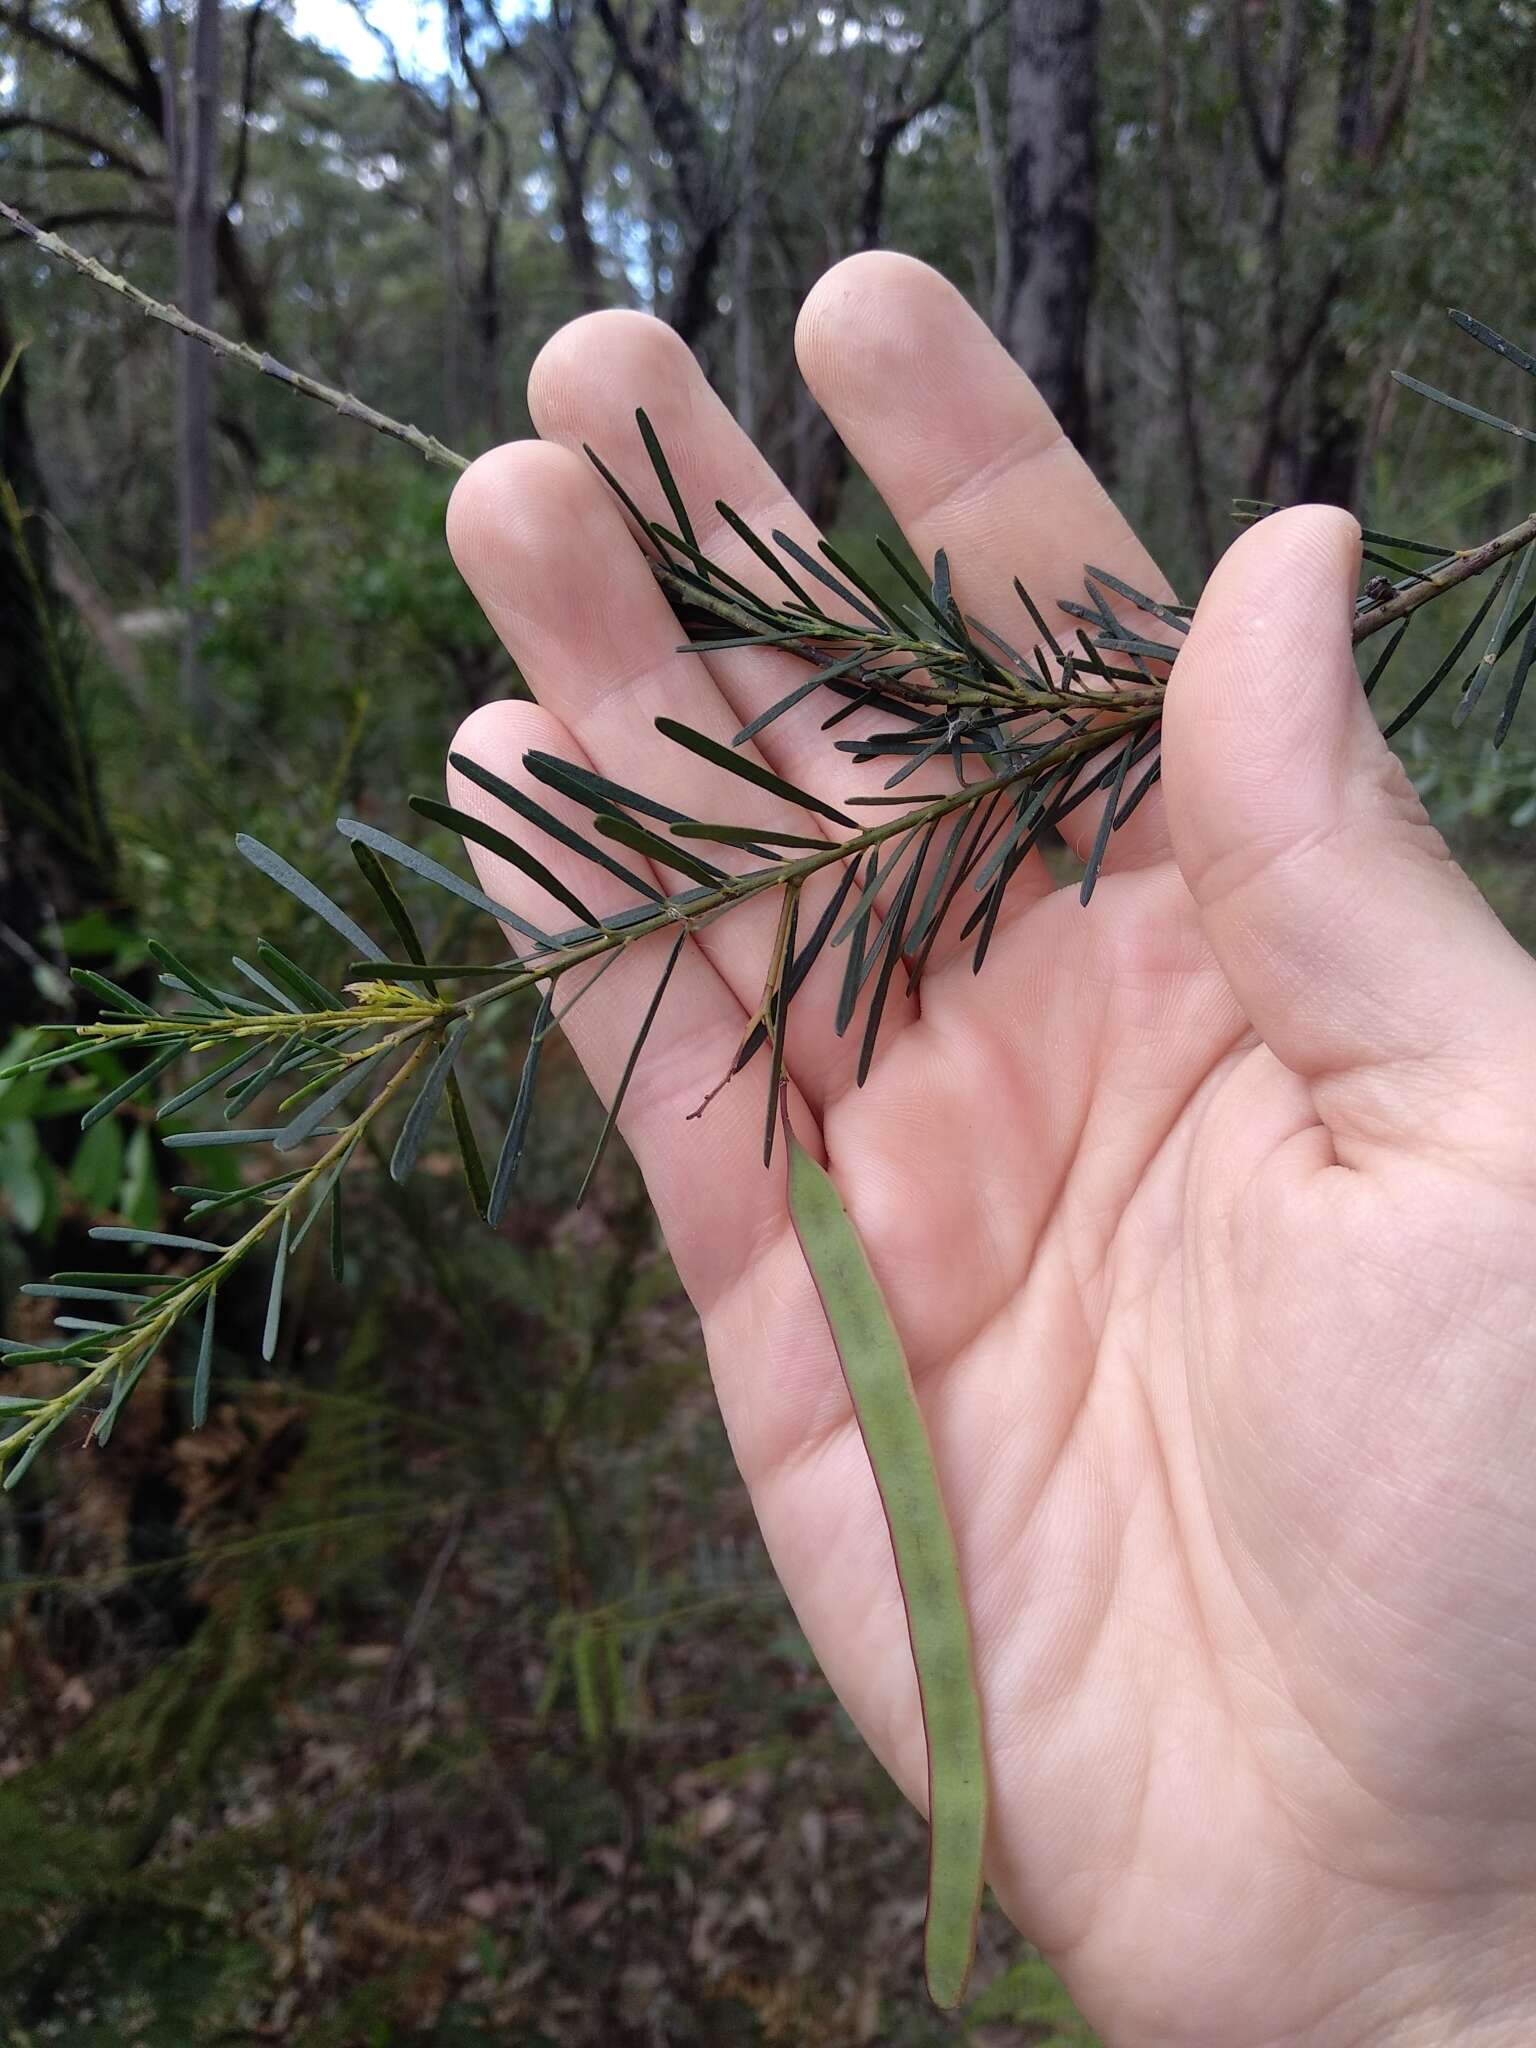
x=1191, y=447
x=1053, y=224
x=1269, y=103
x=546, y=51
x=652, y=58
x=192, y=145
x=1364, y=130
x=56, y=854
x=748, y=214
x=827, y=459
x=141, y=91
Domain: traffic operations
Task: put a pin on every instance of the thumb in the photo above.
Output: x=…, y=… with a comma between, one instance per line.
x=1362, y=955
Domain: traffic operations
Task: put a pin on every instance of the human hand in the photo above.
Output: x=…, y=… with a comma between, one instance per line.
x=1208, y=1216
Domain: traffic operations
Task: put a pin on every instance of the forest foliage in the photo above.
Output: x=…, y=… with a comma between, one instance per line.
x=445, y=1656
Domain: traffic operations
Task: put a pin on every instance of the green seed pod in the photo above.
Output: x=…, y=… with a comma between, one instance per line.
x=896, y=1439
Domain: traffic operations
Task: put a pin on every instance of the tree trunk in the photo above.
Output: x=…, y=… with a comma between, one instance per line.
x=994, y=168
x=56, y=854
x=1170, y=177
x=1332, y=459
x=191, y=135
x=744, y=267
x=1053, y=200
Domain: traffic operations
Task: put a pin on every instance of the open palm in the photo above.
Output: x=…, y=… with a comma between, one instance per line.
x=1208, y=1216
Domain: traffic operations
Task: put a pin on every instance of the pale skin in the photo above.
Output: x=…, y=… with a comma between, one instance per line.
x=1207, y=1214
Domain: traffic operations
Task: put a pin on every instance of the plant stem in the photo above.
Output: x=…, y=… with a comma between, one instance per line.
x=1471, y=562
x=141, y=1338
x=1436, y=582
x=426, y=445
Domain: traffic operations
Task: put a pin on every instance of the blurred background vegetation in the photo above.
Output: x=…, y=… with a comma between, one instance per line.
x=437, y=1691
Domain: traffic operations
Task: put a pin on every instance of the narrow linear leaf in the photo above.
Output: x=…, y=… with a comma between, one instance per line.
x=1516, y=688
x=390, y=901
x=434, y=871
x=665, y=478
x=127, y=1379
x=749, y=838
x=419, y=1118
x=108, y=993
x=311, y=994
x=779, y=1022
x=646, y=529
x=322, y=1188
x=764, y=554
x=1038, y=618
x=185, y=977
x=469, y=1149
x=195, y=1141
x=596, y=792
x=287, y=876
x=1166, y=614
x=259, y=980
x=46, y=1290
x=1482, y=674
x=1470, y=412
x=798, y=695
x=1093, y=866
x=275, y=1295
x=481, y=834
x=924, y=595
x=224, y=1071
x=638, y=840
x=134, y=1083
x=1464, y=640
x=878, y=878
x=812, y=567
x=511, y=1156
x=707, y=574
x=163, y=1240
x=747, y=771
x=169, y=1281
x=204, y=1373
x=943, y=595
x=860, y=582
x=1406, y=546
x=1379, y=666
x=1140, y=793
x=612, y=1118
x=207, y=1201
x=890, y=946
x=543, y=820
x=14, y=1476
x=1492, y=339
x=319, y=1107
x=805, y=960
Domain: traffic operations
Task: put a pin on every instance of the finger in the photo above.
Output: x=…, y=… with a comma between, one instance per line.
x=970, y=459
x=546, y=550
x=718, y=1206
x=584, y=388
x=1364, y=957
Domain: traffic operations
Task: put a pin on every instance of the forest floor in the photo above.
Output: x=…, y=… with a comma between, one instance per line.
x=439, y=1692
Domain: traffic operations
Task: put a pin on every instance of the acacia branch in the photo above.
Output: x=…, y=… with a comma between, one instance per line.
x=1436, y=582
x=426, y=445
x=1433, y=584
